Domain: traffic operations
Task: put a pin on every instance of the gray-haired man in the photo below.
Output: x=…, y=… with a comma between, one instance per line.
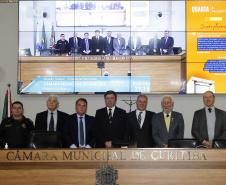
x=167, y=124
x=51, y=119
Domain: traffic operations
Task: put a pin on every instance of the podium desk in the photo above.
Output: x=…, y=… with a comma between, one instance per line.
x=167, y=72
x=127, y=166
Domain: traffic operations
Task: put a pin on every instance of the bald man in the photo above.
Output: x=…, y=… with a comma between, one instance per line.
x=209, y=123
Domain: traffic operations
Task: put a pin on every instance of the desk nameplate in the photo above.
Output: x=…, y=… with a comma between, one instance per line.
x=112, y=155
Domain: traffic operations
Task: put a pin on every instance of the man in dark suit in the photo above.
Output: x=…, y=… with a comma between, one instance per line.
x=97, y=44
x=74, y=42
x=134, y=42
x=119, y=43
x=167, y=124
x=86, y=45
x=209, y=123
x=110, y=122
x=78, y=130
x=108, y=44
x=51, y=119
x=167, y=43
x=154, y=45
x=139, y=124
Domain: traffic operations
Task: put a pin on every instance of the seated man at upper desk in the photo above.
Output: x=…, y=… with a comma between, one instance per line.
x=51, y=119
x=78, y=130
x=167, y=124
x=63, y=45
x=86, y=45
x=167, y=43
x=140, y=124
x=119, y=43
x=108, y=44
x=209, y=123
x=74, y=42
x=134, y=42
x=97, y=44
x=154, y=45
x=15, y=130
x=110, y=122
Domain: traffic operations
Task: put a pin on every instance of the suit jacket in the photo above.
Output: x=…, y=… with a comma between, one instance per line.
x=106, y=131
x=159, y=131
x=199, y=125
x=131, y=43
x=83, y=46
x=41, y=120
x=72, y=43
x=143, y=136
x=151, y=45
x=168, y=45
x=70, y=131
x=108, y=47
x=117, y=47
x=97, y=44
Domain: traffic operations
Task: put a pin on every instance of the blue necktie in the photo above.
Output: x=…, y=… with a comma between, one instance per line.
x=87, y=45
x=81, y=132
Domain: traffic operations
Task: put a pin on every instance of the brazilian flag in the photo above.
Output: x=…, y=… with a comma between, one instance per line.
x=44, y=41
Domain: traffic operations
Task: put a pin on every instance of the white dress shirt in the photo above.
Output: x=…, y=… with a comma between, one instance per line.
x=112, y=110
x=135, y=42
x=54, y=118
x=166, y=114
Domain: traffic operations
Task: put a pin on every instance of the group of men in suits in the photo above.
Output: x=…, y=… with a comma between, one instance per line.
x=163, y=46
x=109, y=45
x=111, y=124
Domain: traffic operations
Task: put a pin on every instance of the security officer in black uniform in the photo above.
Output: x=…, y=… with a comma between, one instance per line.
x=63, y=45
x=15, y=129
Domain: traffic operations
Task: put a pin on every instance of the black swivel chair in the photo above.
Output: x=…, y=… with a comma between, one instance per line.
x=119, y=144
x=45, y=139
x=45, y=52
x=56, y=52
x=125, y=52
x=146, y=48
x=221, y=143
x=76, y=51
x=183, y=143
x=177, y=50
x=25, y=52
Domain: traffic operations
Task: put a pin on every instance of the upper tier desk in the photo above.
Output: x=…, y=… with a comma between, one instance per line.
x=167, y=72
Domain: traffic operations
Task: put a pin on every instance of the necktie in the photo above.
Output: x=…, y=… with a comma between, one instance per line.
x=108, y=40
x=139, y=118
x=81, y=132
x=210, y=110
x=110, y=116
x=165, y=40
x=118, y=41
x=87, y=45
x=51, y=123
x=134, y=43
x=167, y=115
x=75, y=43
x=97, y=39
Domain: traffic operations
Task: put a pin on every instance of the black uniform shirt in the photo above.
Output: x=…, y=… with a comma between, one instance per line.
x=16, y=132
x=63, y=46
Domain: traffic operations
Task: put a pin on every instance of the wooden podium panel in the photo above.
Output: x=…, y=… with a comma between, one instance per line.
x=167, y=72
x=134, y=166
